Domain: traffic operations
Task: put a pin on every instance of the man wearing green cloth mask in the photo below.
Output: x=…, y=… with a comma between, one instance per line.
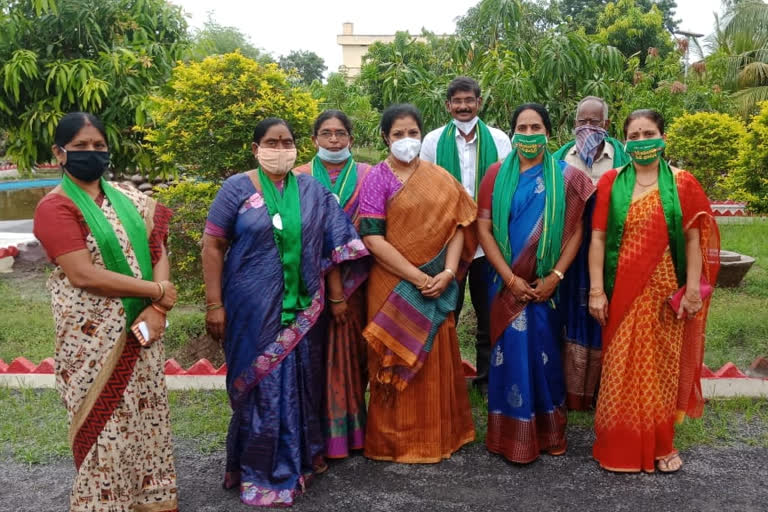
x=466, y=147
x=592, y=150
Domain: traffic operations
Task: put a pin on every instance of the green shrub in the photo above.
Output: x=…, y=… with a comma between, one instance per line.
x=205, y=120
x=190, y=203
x=749, y=181
x=708, y=145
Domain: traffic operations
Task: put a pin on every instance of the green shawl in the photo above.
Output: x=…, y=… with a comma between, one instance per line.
x=621, y=198
x=345, y=184
x=447, y=155
x=106, y=238
x=285, y=211
x=504, y=188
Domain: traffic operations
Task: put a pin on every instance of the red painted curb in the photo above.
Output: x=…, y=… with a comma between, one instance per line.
x=46, y=366
x=172, y=367
x=3, y=366
x=202, y=367
x=706, y=373
x=729, y=371
x=20, y=365
x=222, y=370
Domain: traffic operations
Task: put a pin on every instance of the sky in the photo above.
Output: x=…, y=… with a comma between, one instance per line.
x=279, y=26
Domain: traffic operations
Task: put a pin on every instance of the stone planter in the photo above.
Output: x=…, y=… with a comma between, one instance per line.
x=733, y=268
x=6, y=264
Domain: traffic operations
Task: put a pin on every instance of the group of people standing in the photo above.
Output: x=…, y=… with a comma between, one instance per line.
x=335, y=288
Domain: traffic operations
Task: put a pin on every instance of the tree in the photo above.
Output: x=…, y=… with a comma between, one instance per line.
x=708, y=145
x=349, y=98
x=216, y=39
x=104, y=57
x=204, y=119
x=585, y=13
x=631, y=29
x=308, y=65
x=741, y=38
x=749, y=181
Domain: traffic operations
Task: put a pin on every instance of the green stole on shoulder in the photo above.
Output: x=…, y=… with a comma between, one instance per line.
x=548, y=251
x=620, y=157
x=285, y=212
x=621, y=198
x=447, y=155
x=104, y=234
x=345, y=184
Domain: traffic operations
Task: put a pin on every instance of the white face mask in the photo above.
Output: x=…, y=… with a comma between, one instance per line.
x=466, y=126
x=333, y=157
x=406, y=149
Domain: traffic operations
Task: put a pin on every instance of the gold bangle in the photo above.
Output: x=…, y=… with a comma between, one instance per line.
x=162, y=292
x=596, y=292
x=450, y=271
x=559, y=274
x=337, y=301
x=213, y=305
x=159, y=309
x=426, y=280
x=511, y=281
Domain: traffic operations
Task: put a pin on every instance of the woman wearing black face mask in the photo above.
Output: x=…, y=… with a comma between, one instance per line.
x=111, y=276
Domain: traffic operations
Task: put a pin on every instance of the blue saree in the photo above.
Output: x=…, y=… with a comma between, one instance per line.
x=526, y=392
x=275, y=373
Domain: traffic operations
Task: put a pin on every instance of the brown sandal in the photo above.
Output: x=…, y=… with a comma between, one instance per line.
x=663, y=463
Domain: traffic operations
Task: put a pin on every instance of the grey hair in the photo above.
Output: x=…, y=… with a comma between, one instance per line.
x=594, y=98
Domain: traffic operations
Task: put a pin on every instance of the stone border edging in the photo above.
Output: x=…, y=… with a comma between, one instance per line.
x=726, y=382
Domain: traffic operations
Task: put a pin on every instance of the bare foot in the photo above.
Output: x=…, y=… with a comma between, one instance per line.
x=670, y=463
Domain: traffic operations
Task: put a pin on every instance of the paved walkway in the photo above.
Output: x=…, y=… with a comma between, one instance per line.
x=713, y=480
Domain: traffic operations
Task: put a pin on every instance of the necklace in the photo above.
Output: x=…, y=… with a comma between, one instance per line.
x=638, y=182
x=396, y=171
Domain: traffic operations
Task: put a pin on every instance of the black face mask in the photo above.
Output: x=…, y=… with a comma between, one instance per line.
x=87, y=165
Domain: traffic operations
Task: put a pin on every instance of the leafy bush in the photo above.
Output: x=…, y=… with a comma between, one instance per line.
x=749, y=181
x=190, y=203
x=205, y=120
x=708, y=145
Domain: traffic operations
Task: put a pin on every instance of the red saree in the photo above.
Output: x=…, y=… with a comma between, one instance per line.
x=651, y=361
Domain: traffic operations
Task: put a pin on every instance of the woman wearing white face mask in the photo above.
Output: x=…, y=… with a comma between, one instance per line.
x=414, y=217
x=269, y=239
x=345, y=383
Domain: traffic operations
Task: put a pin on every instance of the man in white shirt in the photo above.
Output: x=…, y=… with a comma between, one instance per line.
x=466, y=147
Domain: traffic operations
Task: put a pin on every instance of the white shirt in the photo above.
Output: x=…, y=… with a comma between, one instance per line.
x=467, y=156
x=467, y=152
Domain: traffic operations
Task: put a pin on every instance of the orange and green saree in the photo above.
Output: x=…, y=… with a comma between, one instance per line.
x=651, y=360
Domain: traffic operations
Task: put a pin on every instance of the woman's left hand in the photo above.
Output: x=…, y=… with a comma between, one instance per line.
x=545, y=287
x=439, y=283
x=155, y=323
x=690, y=304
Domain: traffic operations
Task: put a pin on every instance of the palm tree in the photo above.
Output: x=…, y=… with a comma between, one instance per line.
x=742, y=36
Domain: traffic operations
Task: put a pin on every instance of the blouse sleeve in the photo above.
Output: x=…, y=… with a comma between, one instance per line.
x=603, y=201
x=59, y=226
x=223, y=212
x=374, y=193
x=485, y=195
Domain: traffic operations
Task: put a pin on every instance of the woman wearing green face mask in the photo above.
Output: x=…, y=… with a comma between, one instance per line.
x=529, y=224
x=653, y=237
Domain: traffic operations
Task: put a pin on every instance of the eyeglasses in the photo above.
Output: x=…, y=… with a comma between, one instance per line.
x=590, y=122
x=457, y=102
x=328, y=134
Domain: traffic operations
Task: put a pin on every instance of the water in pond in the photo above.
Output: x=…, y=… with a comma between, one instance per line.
x=20, y=203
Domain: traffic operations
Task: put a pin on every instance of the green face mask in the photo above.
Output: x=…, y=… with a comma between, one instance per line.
x=645, y=152
x=529, y=145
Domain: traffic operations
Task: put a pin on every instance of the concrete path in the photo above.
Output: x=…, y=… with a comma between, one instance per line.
x=713, y=480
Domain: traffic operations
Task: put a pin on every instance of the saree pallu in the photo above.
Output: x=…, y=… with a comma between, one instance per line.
x=346, y=372
x=275, y=373
x=582, y=347
x=651, y=360
x=431, y=418
x=114, y=391
x=526, y=388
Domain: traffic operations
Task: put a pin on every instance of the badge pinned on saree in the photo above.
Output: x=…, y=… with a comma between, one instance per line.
x=277, y=221
x=338, y=199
